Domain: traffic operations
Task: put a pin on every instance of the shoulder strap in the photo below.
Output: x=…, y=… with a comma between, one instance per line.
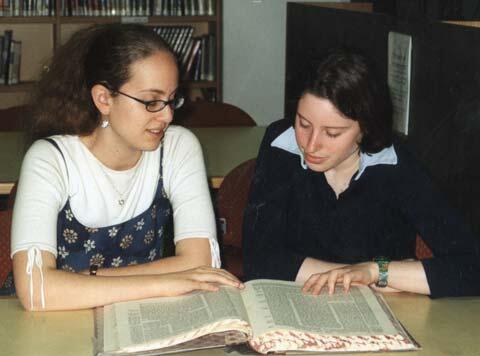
x=55, y=144
x=161, y=161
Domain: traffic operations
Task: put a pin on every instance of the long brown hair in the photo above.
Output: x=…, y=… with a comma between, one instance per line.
x=62, y=103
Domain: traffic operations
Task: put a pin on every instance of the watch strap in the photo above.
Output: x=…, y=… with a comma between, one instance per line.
x=382, y=263
x=93, y=270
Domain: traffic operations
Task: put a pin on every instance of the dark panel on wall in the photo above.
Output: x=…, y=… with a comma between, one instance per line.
x=444, y=130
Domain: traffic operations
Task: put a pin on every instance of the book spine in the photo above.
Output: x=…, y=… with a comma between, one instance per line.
x=212, y=58
x=2, y=64
x=8, y=34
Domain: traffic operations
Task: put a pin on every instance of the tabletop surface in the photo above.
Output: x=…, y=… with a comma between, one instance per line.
x=443, y=327
x=224, y=148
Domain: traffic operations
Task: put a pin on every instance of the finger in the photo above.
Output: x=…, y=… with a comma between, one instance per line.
x=222, y=272
x=210, y=287
x=218, y=278
x=347, y=281
x=310, y=282
x=336, y=275
x=317, y=287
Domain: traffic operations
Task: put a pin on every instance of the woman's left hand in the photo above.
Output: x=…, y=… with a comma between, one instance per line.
x=361, y=273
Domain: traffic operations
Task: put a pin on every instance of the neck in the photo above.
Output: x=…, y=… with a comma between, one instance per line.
x=115, y=155
x=348, y=166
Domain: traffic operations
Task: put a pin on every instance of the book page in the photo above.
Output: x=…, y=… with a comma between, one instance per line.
x=281, y=305
x=150, y=320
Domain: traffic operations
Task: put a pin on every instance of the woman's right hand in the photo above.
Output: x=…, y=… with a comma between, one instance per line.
x=199, y=278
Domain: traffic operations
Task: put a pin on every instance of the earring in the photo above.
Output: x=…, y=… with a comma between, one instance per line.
x=104, y=124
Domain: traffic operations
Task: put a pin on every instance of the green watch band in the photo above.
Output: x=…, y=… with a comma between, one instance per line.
x=382, y=263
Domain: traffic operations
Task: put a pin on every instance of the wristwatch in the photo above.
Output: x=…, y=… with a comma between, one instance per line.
x=382, y=263
x=93, y=270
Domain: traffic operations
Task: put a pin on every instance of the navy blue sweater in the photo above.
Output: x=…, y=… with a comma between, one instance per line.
x=293, y=213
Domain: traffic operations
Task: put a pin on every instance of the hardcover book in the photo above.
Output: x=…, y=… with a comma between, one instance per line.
x=271, y=316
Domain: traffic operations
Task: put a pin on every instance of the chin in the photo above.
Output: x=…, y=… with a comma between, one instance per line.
x=316, y=167
x=150, y=146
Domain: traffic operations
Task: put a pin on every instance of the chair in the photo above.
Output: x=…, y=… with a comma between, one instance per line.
x=422, y=251
x=231, y=200
x=13, y=118
x=5, y=229
x=208, y=114
x=5, y=261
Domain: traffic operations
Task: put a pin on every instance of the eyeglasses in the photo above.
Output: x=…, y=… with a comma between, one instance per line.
x=157, y=105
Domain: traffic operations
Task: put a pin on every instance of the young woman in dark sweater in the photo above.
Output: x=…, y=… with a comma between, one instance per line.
x=335, y=201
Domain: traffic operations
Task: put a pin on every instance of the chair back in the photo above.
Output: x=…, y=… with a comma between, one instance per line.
x=5, y=261
x=13, y=118
x=422, y=251
x=5, y=230
x=208, y=114
x=231, y=201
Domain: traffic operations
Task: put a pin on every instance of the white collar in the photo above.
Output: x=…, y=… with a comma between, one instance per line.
x=287, y=141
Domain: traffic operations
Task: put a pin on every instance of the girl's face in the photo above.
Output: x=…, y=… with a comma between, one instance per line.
x=326, y=136
x=152, y=78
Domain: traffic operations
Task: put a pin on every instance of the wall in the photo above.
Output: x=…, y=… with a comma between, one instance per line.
x=254, y=56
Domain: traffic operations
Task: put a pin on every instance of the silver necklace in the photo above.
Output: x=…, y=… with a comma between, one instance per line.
x=121, y=200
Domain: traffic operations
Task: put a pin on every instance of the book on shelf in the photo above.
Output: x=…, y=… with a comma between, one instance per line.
x=14, y=63
x=271, y=316
x=6, y=55
x=191, y=57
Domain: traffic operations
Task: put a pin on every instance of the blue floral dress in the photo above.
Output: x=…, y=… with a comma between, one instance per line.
x=144, y=238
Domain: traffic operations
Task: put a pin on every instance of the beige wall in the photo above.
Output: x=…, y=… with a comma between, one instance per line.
x=254, y=38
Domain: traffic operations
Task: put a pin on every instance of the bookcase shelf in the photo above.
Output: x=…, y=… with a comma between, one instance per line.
x=42, y=35
x=27, y=19
x=22, y=87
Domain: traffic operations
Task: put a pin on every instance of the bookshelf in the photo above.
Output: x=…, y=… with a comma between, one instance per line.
x=42, y=35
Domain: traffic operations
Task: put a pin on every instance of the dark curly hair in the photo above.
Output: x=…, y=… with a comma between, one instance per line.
x=348, y=80
x=61, y=102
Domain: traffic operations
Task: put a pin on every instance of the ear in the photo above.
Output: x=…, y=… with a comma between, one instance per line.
x=101, y=98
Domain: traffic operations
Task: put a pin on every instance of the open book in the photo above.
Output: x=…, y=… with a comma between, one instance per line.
x=272, y=316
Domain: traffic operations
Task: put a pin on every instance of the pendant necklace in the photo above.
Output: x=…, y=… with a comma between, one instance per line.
x=121, y=200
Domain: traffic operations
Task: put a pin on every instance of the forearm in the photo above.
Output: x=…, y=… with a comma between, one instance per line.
x=189, y=253
x=407, y=276
x=311, y=266
x=161, y=266
x=67, y=291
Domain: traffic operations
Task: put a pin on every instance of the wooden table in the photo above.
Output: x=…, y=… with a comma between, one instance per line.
x=445, y=327
x=224, y=148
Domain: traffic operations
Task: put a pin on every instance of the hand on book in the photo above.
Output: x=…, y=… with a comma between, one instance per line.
x=361, y=273
x=200, y=278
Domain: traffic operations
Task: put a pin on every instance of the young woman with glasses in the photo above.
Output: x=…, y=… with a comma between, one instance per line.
x=107, y=183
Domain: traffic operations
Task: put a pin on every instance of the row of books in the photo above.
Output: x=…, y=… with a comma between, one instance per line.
x=10, y=55
x=196, y=55
x=138, y=7
x=109, y=7
x=27, y=7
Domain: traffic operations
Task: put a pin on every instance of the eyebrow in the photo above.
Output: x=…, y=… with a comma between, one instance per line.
x=158, y=91
x=326, y=127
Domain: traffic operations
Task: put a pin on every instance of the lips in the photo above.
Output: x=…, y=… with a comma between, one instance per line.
x=314, y=159
x=157, y=130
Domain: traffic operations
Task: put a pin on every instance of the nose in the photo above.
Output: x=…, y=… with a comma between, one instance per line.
x=314, y=142
x=165, y=115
